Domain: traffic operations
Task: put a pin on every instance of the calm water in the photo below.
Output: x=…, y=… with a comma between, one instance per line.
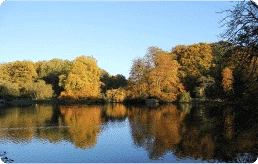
x=116, y=133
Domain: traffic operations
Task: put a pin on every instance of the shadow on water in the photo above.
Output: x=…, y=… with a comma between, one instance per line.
x=209, y=133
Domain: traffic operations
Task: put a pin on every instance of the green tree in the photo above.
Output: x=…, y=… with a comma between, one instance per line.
x=203, y=83
x=112, y=82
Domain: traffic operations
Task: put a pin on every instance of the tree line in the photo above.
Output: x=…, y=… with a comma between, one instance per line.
x=225, y=70
x=57, y=78
x=203, y=71
x=188, y=72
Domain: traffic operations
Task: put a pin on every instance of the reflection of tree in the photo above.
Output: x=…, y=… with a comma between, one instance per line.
x=217, y=133
x=114, y=112
x=225, y=134
x=202, y=132
x=157, y=130
x=83, y=124
x=22, y=123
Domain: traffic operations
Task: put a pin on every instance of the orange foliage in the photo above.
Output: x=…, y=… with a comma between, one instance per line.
x=84, y=124
x=83, y=80
x=227, y=81
x=155, y=76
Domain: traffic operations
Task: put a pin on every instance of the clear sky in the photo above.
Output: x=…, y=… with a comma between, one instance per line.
x=113, y=32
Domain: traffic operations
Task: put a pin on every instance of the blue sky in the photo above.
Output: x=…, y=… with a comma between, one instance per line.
x=113, y=32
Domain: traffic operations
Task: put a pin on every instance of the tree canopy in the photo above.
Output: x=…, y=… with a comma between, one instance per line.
x=83, y=80
x=155, y=76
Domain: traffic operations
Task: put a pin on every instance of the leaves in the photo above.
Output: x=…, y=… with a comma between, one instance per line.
x=228, y=79
x=155, y=76
x=83, y=80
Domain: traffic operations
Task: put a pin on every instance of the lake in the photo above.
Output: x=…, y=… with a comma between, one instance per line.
x=117, y=133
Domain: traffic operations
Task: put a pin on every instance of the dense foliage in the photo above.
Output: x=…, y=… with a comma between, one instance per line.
x=206, y=71
x=155, y=76
x=226, y=70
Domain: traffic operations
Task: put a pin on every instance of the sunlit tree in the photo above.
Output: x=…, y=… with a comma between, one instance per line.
x=228, y=79
x=83, y=80
x=195, y=61
x=155, y=76
x=22, y=72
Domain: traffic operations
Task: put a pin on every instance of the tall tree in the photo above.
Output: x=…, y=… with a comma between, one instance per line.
x=155, y=76
x=165, y=83
x=83, y=81
x=137, y=83
x=241, y=25
x=195, y=61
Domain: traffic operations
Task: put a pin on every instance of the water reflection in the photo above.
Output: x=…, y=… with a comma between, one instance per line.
x=158, y=130
x=83, y=124
x=114, y=112
x=207, y=133
x=21, y=124
x=188, y=131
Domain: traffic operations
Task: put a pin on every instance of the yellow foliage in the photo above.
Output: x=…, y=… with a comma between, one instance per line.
x=227, y=81
x=22, y=72
x=195, y=59
x=155, y=76
x=116, y=95
x=158, y=130
x=83, y=80
x=84, y=124
x=116, y=111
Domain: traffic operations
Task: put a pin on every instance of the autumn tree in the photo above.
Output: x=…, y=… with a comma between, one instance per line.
x=9, y=90
x=155, y=76
x=241, y=25
x=4, y=72
x=165, y=83
x=137, y=84
x=39, y=90
x=50, y=71
x=22, y=72
x=195, y=61
x=116, y=95
x=83, y=80
x=15, y=76
x=227, y=81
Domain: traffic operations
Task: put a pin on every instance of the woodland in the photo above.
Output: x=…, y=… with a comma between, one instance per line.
x=224, y=71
